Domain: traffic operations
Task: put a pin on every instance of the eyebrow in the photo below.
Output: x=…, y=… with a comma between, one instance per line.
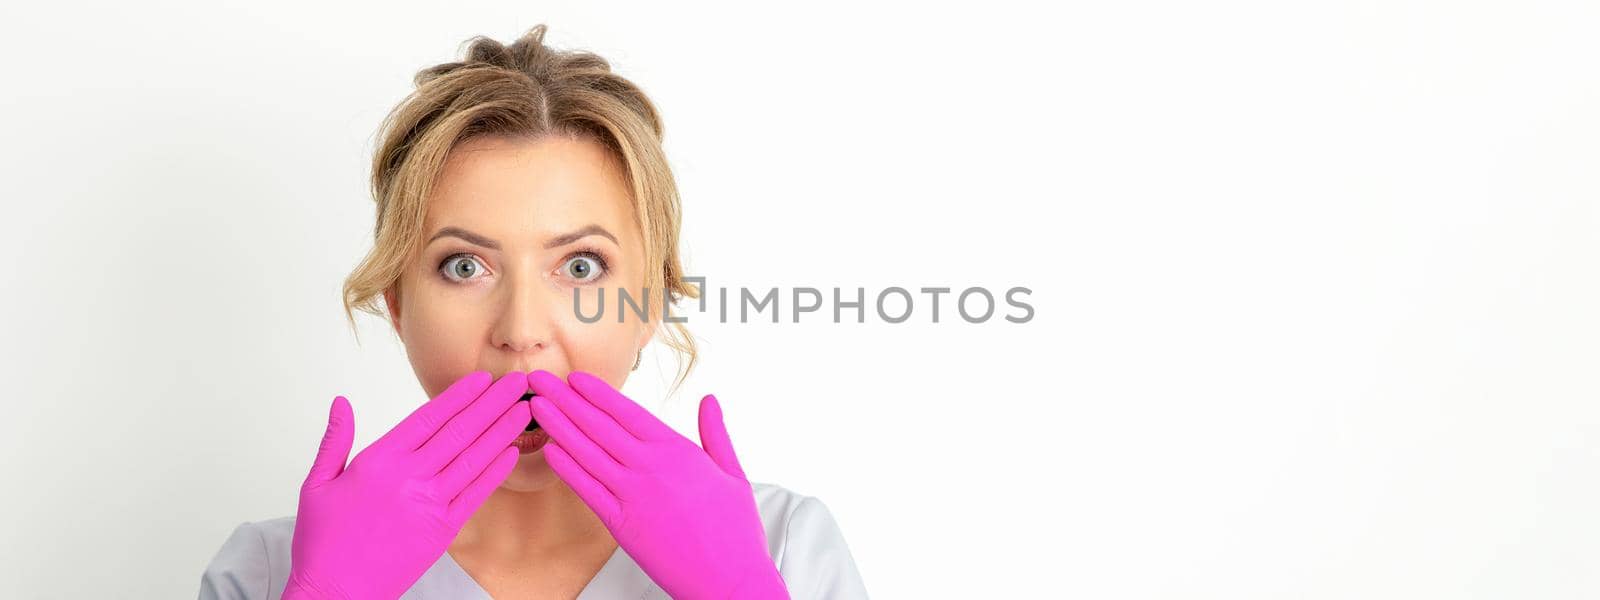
x=560, y=240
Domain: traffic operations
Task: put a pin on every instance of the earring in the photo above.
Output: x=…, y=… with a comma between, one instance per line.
x=637, y=359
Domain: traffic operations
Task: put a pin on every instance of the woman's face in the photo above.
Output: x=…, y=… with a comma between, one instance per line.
x=514, y=230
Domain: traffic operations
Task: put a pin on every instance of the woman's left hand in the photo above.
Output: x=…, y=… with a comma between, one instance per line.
x=687, y=516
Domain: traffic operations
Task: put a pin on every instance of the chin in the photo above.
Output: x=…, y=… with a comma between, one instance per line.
x=531, y=474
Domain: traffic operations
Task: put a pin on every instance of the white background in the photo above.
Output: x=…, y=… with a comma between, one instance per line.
x=1315, y=283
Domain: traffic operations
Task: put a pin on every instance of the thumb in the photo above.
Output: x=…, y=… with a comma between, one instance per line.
x=714, y=437
x=336, y=442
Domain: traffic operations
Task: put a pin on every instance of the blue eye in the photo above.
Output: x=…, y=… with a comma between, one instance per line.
x=455, y=270
x=585, y=266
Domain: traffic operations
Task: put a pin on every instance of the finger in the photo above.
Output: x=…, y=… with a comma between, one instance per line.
x=592, y=457
x=472, y=461
x=714, y=437
x=462, y=507
x=465, y=428
x=638, y=421
x=337, y=439
x=592, y=492
x=596, y=425
x=426, y=420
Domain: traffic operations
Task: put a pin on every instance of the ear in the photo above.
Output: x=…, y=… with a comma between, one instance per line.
x=391, y=301
x=647, y=328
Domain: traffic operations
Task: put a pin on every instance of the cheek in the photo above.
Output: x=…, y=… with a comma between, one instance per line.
x=442, y=340
x=604, y=348
x=586, y=301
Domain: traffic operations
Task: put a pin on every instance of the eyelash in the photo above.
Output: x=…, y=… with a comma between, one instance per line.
x=591, y=253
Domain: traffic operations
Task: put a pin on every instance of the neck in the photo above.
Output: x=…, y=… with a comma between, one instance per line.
x=529, y=524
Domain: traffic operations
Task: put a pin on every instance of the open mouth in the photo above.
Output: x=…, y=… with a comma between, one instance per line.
x=532, y=423
x=533, y=437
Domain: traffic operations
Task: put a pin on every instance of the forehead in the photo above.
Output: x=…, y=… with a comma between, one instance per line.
x=550, y=185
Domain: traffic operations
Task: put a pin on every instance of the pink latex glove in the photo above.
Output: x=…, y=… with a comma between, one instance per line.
x=371, y=529
x=687, y=516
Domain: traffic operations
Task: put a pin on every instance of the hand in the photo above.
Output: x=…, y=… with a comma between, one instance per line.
x=372, y=529
x=687, y=516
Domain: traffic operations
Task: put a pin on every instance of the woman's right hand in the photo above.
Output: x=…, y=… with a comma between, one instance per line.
x=371, y=529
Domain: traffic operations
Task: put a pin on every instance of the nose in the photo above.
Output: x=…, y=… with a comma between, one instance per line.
x=526, y=316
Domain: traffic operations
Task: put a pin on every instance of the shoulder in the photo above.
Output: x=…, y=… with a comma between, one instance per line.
x=252, y=563
x=806, y=543
x=776, y=505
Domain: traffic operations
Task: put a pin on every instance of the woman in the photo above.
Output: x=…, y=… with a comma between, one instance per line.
x=512, y=188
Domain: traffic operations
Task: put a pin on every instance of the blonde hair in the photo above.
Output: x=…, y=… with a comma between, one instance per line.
x=526, y=90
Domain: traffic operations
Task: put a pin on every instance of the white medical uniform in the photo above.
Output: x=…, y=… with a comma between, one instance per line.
x=802, y=537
